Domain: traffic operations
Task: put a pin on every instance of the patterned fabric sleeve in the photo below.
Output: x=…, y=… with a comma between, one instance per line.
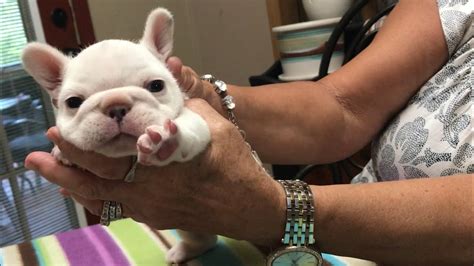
x=432, y=136
x=456, y=19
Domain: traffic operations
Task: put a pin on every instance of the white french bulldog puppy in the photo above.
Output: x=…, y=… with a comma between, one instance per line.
x=118, y=98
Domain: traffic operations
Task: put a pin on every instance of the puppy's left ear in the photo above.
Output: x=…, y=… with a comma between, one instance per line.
x=46, y=65
x=158, y=35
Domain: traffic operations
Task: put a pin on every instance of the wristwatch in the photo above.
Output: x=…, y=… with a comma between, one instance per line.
x=299, y=248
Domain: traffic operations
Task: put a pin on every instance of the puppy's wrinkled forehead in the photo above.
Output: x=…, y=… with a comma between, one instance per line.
x=114, y=63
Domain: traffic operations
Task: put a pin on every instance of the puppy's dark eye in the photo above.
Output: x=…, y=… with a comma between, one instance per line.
x=74, y=102
x=156, y=85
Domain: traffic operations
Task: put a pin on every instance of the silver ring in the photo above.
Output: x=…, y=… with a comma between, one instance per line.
x=111, y=211
x=105, y=215
x=118, y=211
x=130, y=176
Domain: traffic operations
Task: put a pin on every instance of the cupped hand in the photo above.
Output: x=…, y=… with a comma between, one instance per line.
x=222, y=191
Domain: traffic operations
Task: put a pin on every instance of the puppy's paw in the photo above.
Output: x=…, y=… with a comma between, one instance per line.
x=183, y=252
x=158, y=144
x=56, y=152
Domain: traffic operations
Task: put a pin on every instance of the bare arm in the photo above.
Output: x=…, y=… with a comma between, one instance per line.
x=425, y=222
x=308, y=122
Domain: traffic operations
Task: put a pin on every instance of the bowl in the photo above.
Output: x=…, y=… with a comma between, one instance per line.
x=301, y=47
x=324, y=9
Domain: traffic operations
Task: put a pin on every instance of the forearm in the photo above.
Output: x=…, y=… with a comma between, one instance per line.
x=317, y=122
x=429, y=221
x=299, y=122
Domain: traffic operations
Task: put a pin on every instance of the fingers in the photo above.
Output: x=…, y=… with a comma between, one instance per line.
x=93, y=206
x=190, y=83
x=73, y=179
x=175, y=66
x=109, y=168
x=187, y=78
x=64, y=192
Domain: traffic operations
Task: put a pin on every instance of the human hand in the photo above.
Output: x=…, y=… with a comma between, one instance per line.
x=222, y=191
x=189, y=81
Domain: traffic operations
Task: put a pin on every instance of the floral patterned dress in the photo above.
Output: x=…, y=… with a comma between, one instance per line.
x=433, y=136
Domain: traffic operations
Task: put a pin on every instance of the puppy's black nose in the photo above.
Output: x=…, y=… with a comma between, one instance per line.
x=118, y=113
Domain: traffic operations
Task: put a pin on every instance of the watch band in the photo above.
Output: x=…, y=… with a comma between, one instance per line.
x=299, y=226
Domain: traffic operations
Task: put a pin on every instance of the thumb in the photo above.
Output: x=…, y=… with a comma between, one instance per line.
x=175, y=65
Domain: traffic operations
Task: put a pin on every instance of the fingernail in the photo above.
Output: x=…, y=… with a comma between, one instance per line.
x=64, y=192
x=30, y=165
x=51, y=135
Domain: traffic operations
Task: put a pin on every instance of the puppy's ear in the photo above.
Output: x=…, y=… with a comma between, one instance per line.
x=46, y=65
x=158, y=34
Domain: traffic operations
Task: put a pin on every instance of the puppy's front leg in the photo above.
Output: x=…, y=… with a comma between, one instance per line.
x=187, y=135
x=191, y=245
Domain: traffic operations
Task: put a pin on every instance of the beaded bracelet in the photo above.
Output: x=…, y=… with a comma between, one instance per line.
x=220, y=87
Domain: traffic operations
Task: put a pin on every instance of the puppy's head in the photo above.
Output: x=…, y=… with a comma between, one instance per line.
x=113, y=90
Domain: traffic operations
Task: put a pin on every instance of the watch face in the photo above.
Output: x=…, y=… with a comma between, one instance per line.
x=300, y=256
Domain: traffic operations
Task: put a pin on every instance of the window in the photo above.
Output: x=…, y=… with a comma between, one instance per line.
x=29, y=206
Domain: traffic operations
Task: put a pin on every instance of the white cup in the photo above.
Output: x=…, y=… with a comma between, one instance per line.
x=323, y=9
x=301, y=47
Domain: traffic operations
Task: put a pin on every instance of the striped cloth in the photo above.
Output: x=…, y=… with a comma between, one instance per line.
x=126, y=242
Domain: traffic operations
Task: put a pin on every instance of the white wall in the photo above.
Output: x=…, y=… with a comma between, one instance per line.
x=228, y=38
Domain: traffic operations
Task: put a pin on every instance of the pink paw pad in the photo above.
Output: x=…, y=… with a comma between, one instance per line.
x=171, y=126
x=158, y=143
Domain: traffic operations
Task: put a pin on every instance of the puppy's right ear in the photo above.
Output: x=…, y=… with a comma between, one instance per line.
x=158, y=34
x=46, y=65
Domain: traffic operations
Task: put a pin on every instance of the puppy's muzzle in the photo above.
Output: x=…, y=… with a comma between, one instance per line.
x=117, y=113
x=116, y=106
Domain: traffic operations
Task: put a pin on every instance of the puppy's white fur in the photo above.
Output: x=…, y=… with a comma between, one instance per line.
x=114, y=74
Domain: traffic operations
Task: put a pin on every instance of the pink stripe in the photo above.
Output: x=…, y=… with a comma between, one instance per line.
x=101, y=249
x=78, y=249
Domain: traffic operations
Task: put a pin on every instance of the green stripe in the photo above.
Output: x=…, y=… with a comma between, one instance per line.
x=41, y=255
x=302, y=58
x=52, y=251
x=302, y=44
x=289, y=35
x=137, y=244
